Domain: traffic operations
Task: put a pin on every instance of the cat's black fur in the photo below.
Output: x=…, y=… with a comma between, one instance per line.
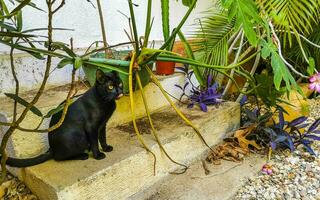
x=84, y=126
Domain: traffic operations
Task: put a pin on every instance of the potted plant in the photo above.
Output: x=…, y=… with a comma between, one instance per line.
x=112, y=56
x=165, y=67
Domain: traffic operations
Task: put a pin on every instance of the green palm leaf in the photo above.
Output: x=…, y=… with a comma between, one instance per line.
x=212, y=37
x=292, y=15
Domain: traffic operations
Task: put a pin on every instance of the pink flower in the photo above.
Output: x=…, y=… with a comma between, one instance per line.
x=267, y=169
x=315, y=82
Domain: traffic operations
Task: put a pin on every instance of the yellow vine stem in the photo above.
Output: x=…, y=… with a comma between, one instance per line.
x=154, y=130
x=182, y=116
x=133, y=115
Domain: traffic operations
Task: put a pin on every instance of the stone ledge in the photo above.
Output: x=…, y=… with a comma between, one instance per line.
x=128, y=169
x=25, y=145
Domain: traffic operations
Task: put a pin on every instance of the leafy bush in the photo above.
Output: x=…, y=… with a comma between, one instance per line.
x=283, y=134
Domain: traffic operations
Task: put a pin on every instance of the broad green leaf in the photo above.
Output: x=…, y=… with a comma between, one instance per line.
x=23, y=102
x=105, y=66
x=311, y=67
x=77, y=62
x=62, y=46
x=45, y=29
x=267, y=48
x=34, y=51
x=59, y=108
x=19, y=21
x=245, y=13
x=278, y=69
x=19, y=7
x=14, y=34
x=64, y=62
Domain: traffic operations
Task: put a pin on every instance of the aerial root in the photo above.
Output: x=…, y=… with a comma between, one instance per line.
x=153, y=129
x=133, y=115
x=181, y=115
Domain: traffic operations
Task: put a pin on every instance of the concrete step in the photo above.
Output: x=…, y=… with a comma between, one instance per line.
x=25, y=145
x=222, y=183
x=128, y=169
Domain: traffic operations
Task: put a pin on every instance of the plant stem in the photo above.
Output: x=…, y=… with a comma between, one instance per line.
x=17, y=85
x=234, y=62
x=181, y=115
x=280, y=52
x=190, y=54
x=153, y=131
x=253, y=70
x=173, y=35
x=148, y=24
x=238, y=36
x=133, y=115
x=104, y=48
x=12, y=128
x=134, y=27
x=103, y=30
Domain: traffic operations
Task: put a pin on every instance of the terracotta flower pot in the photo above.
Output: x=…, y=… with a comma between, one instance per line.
x=165, y=68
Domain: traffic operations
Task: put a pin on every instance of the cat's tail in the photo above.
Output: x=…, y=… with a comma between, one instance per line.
x=27, y=162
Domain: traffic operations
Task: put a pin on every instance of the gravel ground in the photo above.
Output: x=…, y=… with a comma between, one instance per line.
x=295, y=175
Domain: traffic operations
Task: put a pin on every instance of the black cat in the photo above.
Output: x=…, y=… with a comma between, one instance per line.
x=84, y=124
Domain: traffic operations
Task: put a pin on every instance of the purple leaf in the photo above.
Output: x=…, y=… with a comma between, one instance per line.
x=251, y=115
x=306, y=141
x=243, y=100
x=314, y=126
x=297, y=121
x=215, y=86
x=273, y=145
x=281, y=119
x=309, y=149
x=270, y=131
x=316, y=132
x=281, y=138
x=314, y=137
x=302, y=126
x=203, y=107
x=209, y=80
x=291, y=144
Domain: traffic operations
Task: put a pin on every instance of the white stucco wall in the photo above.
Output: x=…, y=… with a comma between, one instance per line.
x=83, y=18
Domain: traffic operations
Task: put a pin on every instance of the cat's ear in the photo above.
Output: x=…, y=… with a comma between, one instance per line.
x=100, y=77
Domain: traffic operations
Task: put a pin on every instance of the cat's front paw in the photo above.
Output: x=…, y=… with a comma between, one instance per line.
x=107, y=148
x=100, y=156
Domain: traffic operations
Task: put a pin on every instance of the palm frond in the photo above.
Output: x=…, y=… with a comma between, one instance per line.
x=212, y=37
x=291, y=15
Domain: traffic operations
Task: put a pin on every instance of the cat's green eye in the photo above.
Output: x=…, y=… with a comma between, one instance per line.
x=110, y=87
